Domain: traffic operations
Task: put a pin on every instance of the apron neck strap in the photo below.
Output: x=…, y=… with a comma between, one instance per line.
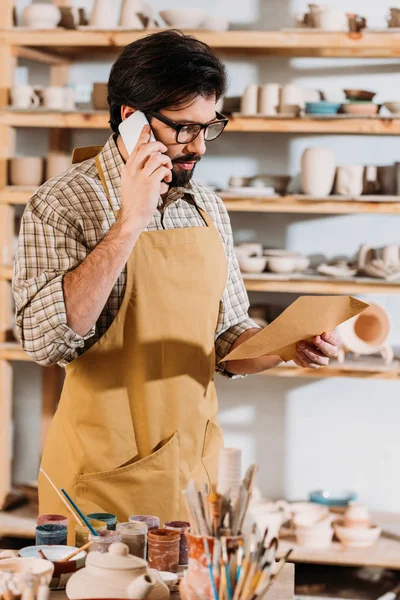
x=104, y=183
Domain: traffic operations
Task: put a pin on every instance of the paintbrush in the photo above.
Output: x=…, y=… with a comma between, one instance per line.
x=193, y=497
x=225, y=564
x=203, y=513
x=214, y=504
x=75, y=552
x=248, y=482
x=210, y=567
x=239, y=560
x=195, y=527
x=77, y=519
x=80, y=513
x=274, y=576
x=204, y=494
x=42, y=554
x=246, y=564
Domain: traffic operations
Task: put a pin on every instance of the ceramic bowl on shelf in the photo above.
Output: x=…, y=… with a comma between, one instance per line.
x=361, y=108
x=307, y=513
x=360, y=95
x=322, y=108
x=353, y=537
x=252, y=264
x=281, y=264
x=393, y=107
x=333, y=498
x=215, y=23
x=55, y=554
x=318, y=535
x=184, y=18
x=249, y=249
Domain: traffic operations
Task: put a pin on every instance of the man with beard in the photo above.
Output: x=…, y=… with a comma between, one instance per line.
x=126, y=275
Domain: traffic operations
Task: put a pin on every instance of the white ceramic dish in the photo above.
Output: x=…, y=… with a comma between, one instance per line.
x=170, y=579
x=393, y=107
x=252, y=264
x=281, y=264
x=249, y=248
x=188, y=18
x=352, y=537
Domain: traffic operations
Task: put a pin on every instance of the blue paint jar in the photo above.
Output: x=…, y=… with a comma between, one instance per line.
x=51, y=535
x=109, y=519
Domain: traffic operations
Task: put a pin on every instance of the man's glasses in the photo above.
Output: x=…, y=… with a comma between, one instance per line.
x=187, y=132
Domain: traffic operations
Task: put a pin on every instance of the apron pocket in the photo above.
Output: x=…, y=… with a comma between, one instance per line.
x=213, y=442
x=148, y=486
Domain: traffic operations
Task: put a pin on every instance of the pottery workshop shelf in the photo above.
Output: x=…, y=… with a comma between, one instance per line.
x=12, y=351
x=16, y=195
x=60, y=42
x=99, y=120
x=385, y=374
x=307, y=205
x=318, y=285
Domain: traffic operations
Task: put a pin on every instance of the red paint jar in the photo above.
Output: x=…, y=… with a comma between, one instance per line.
x=163, y=549
x=182, y=527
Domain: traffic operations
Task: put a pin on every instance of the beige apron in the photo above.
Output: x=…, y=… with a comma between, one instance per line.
x=137, y=417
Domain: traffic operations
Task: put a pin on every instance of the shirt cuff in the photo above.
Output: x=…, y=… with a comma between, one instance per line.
x=48, y=307
x=225, y=341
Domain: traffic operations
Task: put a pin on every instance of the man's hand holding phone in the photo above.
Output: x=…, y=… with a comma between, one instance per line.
x=144, y=178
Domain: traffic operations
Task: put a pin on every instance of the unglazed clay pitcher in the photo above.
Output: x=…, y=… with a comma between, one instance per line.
x=317, y=171
x=104, y=14
x=116, y=574
x=196, y=584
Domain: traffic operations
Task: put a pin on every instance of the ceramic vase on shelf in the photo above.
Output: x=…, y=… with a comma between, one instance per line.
x=318, y=171
x=130, y=11
x=269, y=99
x=249, y=101
x=349, y=180
x=41, y=16
x=104, y=14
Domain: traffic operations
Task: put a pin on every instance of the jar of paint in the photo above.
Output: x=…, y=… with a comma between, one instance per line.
x=164, y=549
x=52, y=520
x=51, y=535
x=151, y=521
x=134, y=535
x=182, y=527
x=109, y=519
x=102, y=542
x=82, y=532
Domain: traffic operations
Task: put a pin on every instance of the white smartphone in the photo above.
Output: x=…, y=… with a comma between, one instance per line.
x=131, y=128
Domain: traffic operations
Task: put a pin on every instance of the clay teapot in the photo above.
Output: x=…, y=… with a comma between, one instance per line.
x=116, y=574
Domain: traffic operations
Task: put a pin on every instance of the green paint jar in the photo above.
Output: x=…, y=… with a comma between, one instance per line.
x=108, y=518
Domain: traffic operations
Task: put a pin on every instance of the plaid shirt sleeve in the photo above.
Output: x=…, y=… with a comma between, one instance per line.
x=233, y=317
x=51, y=243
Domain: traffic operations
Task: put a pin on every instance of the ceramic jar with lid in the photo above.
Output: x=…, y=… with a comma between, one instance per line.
x=116, y=574
x=41, y=16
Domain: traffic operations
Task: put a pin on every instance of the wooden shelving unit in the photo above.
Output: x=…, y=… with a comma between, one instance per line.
x=59, y=48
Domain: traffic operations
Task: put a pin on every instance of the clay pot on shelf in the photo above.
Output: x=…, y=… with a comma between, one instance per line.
x=130, y=12
x=26, y=171
x=41, y=16
x=394, y=19
x=330, y=20
x=387, y=180
x=318, y=171
x=367, y=334
x=349, y=180
x=269, y=99
x=352, y=537
x=104, y=14
x=249, y=101
x=99, y=96
x=24, y=96
x=56, y=164
x=357, y=516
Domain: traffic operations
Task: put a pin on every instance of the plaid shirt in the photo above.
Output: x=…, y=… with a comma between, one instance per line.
x=64, y=221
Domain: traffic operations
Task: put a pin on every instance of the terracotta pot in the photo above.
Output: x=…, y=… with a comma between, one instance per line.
x=99, y=96
x=317, y=171
x=196, y=584
x=26, y=171
x=368, y=332
x=349, y=180
x=57, y=164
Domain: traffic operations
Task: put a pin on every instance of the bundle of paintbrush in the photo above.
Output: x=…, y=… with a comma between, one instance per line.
x=214, y=514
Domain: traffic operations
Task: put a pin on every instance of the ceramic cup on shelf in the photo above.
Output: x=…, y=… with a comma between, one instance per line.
x=290, y=95
x=26, y=171
x=249, y=101
x=24, y=96
x=56, y=163
x=69, y=99
x=333, y=20
x=318, y=171
x=315, y=11
x=104, y=14
x=349, y=180
x=54, y=98
x=269, y=99
x=387, y=180
x=40, y=15
x=357, y=516
x=130, y=11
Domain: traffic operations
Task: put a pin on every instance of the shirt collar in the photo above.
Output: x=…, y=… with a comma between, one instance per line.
x=112, y=163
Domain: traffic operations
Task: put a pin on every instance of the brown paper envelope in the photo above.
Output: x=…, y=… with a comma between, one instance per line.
x=307, y=317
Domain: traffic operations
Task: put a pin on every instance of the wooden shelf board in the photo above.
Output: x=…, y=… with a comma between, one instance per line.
x=99, y=120
x=16, y=195
x=291, y=42
x=332, y=372
x=20, y=522
x=319, y=286
x=12, y=351
x=6, y=272
x=305, y=205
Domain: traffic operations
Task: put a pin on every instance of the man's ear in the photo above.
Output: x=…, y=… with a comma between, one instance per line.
x=126, y=111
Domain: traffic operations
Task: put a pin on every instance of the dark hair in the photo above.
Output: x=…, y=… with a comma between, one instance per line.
x=163, y=70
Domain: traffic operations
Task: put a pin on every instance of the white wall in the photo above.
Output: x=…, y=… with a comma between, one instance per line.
x=340, y=433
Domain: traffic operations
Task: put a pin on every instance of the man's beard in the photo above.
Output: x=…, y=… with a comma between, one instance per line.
x=181, y=177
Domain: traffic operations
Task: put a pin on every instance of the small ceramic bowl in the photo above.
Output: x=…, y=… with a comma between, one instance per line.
x=170, y=579
x=308, y=512
x=394, y=107
x=252, y=264
x=352, y=537
x=360, y=95
x=184, y=18
x=249, y=249
x=332, y=498
x=302, y=263
x=62, y=570
x=38, y=567
x=317, y=536
x=361, y=108
x=281, y=264
x=322, y=108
